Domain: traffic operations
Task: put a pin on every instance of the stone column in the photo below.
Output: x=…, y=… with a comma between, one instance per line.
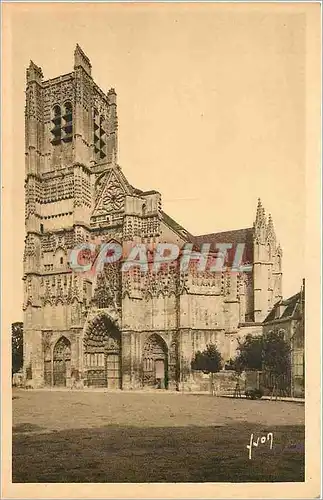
x=37, y=362
x=173, y=362
x=185, y=357
x=75, y=359
x=27, y=366
x=126, y=362
x=136, y=356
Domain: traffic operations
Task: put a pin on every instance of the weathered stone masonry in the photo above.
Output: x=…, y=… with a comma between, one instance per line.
x=118, y=330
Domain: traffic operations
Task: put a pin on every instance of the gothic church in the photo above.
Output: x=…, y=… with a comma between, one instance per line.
x=119, y=330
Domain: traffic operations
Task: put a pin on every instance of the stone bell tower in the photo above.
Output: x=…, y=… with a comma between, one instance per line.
x=71, y=136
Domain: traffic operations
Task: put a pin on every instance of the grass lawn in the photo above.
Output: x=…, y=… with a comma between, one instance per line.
x=103, y=437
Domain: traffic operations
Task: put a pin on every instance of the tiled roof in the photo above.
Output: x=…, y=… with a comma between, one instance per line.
x=234, y=237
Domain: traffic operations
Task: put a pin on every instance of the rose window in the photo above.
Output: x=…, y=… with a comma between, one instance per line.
x=113, y=198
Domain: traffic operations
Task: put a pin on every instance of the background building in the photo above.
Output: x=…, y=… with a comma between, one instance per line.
x=288, y=318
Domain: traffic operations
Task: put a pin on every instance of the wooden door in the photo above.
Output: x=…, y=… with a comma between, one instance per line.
x=113, y=371
x=160, y=373
x=61, y=362
x=160, y=368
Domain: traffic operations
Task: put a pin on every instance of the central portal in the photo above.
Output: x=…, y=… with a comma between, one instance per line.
x=102, y=354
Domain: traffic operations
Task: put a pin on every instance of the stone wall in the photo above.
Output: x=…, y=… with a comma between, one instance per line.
x=224, y=382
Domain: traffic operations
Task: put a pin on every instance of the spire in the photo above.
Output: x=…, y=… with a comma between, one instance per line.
x=259, y=209
x=260, y=215
x=270, y=233
x=260, y=223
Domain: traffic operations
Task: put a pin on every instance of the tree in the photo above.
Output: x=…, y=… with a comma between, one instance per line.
x=269, y=352
x=276, y=357
x=17, y=346
x=208, y=361
x=235, y=365
x=250, y=354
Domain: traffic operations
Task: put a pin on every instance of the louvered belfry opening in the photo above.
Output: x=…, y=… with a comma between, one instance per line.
x=56, y=125
x=62, y=123
x=68, y=123
x=100, y=136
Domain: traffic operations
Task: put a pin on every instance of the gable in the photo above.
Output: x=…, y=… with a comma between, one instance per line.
x=111, y=189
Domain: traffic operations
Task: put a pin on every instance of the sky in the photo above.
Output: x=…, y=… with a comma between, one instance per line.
x=211, y=108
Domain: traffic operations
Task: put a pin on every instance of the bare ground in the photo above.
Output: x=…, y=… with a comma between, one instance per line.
x=65, y=436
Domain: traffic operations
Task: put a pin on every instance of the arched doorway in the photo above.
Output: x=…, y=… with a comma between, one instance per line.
x=155, y=363
x=62, y=362
x=102, y=354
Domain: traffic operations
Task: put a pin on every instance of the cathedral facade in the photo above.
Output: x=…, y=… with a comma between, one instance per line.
x=116, y=328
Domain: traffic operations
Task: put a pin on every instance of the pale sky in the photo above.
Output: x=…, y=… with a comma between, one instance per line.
x=211, y=107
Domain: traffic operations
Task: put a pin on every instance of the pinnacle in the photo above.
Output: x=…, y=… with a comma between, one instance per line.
x=270, y=221
x=260, y=215
x=270, y=228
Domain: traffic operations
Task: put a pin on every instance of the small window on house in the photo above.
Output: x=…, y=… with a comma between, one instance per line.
x=57, y=125
x=61, y=260
x=42, y=228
